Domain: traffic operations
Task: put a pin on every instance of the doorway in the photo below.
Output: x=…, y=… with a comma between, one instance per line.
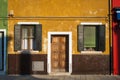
x=59, y=52
x=2, y=52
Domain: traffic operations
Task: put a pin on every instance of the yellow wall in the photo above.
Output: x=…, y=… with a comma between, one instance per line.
x=59, y=7
x=68, y=8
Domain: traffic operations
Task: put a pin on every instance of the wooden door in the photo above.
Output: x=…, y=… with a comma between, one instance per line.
x=59, y=54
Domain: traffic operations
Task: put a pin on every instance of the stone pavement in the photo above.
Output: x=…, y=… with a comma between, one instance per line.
x=60, y=77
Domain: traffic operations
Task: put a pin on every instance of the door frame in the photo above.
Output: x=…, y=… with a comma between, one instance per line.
x=49, y=50
x=5, y=57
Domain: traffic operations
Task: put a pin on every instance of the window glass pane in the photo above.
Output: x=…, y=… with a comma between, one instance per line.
x=31, y=32
x=31, y=43
x=24, y=33
x=24, y=38
x=28, y=36
x=89, y=36
x=24, y=44
x=31, y=37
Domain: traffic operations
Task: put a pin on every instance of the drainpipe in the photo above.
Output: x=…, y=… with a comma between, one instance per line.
x=110, y=38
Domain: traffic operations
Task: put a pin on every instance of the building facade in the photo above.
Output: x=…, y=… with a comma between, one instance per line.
x=3, y=37
x=115, y=34
x=53, y=37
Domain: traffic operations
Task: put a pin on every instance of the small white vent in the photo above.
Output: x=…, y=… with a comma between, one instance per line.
x=37, y=66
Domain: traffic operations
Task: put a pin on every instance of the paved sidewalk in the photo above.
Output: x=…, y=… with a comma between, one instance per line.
x=51, y=77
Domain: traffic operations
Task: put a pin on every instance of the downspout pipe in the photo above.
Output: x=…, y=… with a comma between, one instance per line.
x=110, y=37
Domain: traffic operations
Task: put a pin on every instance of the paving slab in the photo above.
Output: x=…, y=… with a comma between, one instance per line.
x=59, y=77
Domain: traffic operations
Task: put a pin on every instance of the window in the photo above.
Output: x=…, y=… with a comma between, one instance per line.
x=91, y=38
x=28, y=37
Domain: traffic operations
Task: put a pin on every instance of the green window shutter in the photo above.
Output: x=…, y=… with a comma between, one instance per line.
x=17, y=37
x=80, y=41
x=38, y=37
x=101, y=39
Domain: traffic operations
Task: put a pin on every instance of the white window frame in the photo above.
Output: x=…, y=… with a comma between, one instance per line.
x=29, y=23
x=91, y=23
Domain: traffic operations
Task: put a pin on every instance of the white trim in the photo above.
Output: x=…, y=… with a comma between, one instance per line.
x=4, y=71
x=28, y=23
x=91, y=52
x=49, y=49
x=90, y=23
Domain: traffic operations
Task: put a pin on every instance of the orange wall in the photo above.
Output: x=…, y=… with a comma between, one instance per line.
x=60, y=8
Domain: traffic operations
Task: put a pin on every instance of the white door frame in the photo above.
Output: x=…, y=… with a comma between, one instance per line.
x=49, y=49
x=4, y=71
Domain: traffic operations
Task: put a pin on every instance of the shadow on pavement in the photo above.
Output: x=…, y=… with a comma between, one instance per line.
x=23, y=77
x=71, y=77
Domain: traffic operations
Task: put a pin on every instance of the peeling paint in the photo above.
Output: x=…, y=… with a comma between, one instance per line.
x=58, y=8
x=45, y=46
x=93, y=12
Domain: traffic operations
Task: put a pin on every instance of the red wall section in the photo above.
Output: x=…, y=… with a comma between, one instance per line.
x=115, y=3
x=116, y=41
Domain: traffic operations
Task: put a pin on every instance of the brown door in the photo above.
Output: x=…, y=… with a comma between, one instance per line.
x=59, y=53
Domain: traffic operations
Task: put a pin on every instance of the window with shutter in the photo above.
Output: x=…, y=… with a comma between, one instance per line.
x=28, y=37
x=91, y=38
x=17, y=36
x=80, y=38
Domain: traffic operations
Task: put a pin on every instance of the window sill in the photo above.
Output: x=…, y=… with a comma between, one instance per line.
x=27, y=52
x=91, y=52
